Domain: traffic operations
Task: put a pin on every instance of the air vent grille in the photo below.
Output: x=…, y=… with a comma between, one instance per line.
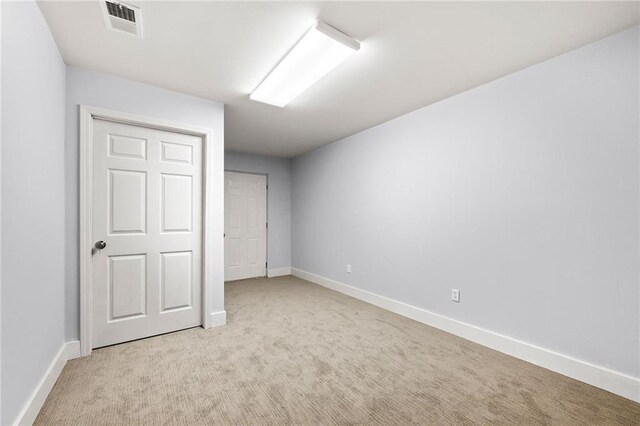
x=122, y=17
x=121, y=11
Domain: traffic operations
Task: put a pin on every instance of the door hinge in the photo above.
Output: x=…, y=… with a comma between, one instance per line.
x=266, y=225
x=267, y=187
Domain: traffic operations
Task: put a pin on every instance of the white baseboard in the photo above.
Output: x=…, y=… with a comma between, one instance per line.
x=218, y=318
x=72, y=349
x=278, y=272
x=612, y=381
x=35, y=402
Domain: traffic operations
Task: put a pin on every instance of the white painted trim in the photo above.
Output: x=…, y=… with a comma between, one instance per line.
x=279, y=272
x=68, y=350
x=87, y=115
x=612, y=381
x=72, y=349
x=35, y=402
x=218, y=318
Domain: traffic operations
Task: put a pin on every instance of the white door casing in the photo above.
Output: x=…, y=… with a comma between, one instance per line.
x=147, y=207
x=245, y=225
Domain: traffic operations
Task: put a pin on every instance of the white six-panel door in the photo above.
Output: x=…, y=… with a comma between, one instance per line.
x=147, y=208
x=245, y=225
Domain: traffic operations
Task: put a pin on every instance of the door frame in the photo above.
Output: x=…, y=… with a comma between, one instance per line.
x=87, y=115
x=266, y=214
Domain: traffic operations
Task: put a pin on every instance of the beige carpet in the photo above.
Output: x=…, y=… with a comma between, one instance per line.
x=296, y=353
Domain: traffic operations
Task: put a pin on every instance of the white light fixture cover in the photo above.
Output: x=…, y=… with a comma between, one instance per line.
x=320, y=50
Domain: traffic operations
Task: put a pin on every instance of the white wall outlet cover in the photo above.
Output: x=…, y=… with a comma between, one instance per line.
x=348, y=269
x=455, y=295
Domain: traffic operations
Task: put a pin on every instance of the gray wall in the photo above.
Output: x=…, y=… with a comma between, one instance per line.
x=33, y=234
x=523, y=194
x=106, y=91
x=278, y=200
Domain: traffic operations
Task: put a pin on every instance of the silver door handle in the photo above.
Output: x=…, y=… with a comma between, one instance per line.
x=100, y=245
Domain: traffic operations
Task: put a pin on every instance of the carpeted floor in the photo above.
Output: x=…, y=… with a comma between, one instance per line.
x=296, y=353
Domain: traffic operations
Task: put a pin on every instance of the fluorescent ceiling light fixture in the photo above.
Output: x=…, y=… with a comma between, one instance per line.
x=319, y=51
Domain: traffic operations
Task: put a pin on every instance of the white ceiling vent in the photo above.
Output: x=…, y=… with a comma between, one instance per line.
x=122, y=17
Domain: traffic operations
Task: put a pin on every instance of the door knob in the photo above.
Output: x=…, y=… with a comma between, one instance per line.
x=100, y=245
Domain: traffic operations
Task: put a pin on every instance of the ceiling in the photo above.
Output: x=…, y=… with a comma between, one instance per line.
x=412, y=55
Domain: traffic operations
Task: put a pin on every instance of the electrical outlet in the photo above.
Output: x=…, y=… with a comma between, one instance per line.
x=455, y=295
x=348, y=269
